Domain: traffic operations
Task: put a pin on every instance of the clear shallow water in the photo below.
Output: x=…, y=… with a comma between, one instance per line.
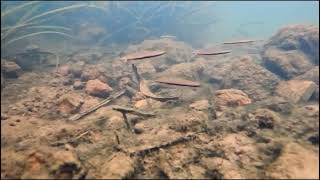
x=198, y=23
x=241, y=19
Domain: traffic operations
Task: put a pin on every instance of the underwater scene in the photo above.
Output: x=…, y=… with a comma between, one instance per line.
x=159, y=90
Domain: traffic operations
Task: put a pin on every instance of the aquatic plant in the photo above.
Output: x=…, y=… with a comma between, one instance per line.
x=150, y=18
x=25, y=20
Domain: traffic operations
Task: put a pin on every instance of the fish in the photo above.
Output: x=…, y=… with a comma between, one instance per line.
x=168, y=36
x=240, y=41
x=144, y=89
x=211, y=52
x=142, y=55
x=177, y=81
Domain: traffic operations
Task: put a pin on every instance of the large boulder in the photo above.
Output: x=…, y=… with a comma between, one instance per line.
x=292, y=51
x=286, y=64
x=10, y=69
x=311, y=75
x=98, y=88
x=230, y=98
x=296, y=90
x=247, y=75
x=295, y=162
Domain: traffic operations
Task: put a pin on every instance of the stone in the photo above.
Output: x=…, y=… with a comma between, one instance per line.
x=64, y=70
x=148, y=103
x=98, y=88
x=311, y=75
x=200, y=105
x=230, y=98
x=277, y=104
x=244, y=73
x=120, y=167
x=286, y=64
x=10, y=69
x=292, y=51
x=146, y=68
x=296, y=90
x=69, y=104
x=89, y=74
x=295, y=162
x=76, y=68
x=304, y=38
x=49, y=164
x=239, y=148
x=191, y=71
x=266, y=118
x=224, y=169
x=78, y=85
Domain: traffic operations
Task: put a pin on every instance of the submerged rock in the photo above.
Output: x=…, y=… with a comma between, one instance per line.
x=78, y=85
x=295, y=162
x=265, y=118
x=286, y=64
x=230, y=98
x=10, y=69
x=200, y=105
x=253, y=79
x=148, y=103
x=77, y=68
x=120, y=167
x=222, y=168
x=69, y=104
x=98, y=88
x=292, y=51
x=64, y=70
x=311, y=75
x=58, y=165
x=3, y=84
x=296, y=90
x=184, y=70
x=304, y=38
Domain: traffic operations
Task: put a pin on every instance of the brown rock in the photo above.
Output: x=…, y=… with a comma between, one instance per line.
x=146, y=68
x=296, y=90
x=311, y=75
x=231, y=97
x=239, y=148
x=295, y=162
x=266, y=118
x=64, y=70
x=10, y=69
x=183, y=70
x=247, y=75
x=76, y=68
x=69, y=104
x=98, y=88
x=304, y=38
x=89, y=74
x=286, y=64
x=148, y=103
x=48, y=164
x=226, y=169
x=120, y=167
x=78, y=84
x=200, y=105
